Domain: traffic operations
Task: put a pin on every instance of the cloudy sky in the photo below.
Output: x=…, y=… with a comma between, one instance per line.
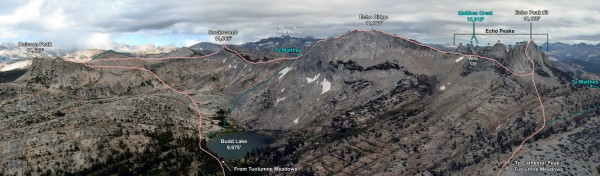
x=98, y=24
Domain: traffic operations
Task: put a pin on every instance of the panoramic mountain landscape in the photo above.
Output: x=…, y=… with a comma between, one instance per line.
x=310, y=88
x=366, y=103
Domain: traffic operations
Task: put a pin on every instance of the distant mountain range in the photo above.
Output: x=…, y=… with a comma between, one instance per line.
x=15, y=57
x=586, y=56
x=262, y=46
x=582, y=55
x=581, y=51
x=11, y=52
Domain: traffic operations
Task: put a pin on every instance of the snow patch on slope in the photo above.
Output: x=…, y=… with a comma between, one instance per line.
x=460, y=58
x=309, y=80
x=284, y=71
x=278, y=100
x=326, y=86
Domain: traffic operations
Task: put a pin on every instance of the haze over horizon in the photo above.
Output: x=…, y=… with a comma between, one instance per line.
x=83, y=25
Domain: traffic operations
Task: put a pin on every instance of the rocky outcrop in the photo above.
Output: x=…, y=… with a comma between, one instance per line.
x=57, y=73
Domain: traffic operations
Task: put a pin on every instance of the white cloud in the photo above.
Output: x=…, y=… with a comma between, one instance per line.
x=6, y=34
x=97, y=41
x=28, y=12
x=55, y=21
x=93, y=23
x=188, y=43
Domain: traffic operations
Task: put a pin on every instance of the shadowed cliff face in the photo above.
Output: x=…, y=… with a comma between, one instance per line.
x=363, y=103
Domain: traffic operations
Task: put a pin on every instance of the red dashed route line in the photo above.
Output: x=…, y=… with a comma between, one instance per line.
x=179, y=92
x=532, y=73
x=290, y=58
x=176, y=91
x=537, y=92
x=150, y=58
x=447, y=52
